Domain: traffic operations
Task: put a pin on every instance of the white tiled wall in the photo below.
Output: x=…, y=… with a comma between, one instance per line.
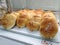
x=18, y=4
x=34, y=4
x=45, y=4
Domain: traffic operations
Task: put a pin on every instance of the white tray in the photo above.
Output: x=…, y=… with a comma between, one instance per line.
x=34, y=34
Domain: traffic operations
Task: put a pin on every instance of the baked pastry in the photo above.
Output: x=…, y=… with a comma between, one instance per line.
x=48, y=25
x=34, y=23
x=25, y=15
x=8, y=21
x=22, y=19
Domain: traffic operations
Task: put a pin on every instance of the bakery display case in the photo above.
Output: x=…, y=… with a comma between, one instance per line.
x=29, y=22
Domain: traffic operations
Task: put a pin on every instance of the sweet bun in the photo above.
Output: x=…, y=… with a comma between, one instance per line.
x=48, y=25
x=8, y=21
x=34, y=23
x=22, y=19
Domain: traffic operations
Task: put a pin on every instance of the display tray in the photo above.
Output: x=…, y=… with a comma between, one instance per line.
x=35, y=34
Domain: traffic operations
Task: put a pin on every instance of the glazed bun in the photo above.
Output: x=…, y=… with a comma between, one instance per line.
x=22, y=19
x=48, y=25
x=8, y=21
x=34, y=23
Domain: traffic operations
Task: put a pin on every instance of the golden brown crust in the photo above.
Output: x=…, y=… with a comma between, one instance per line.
x=21, y=22
x=22, y=19
x=34, y=23
x=15, y=13
x=48, y=25
x=31, y=13
x=39, y=11
x=25, y=15
x=8, y=21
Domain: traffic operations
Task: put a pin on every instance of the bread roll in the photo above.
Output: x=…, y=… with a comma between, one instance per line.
x=8, y=21
x=22, y=19
x=34, y=23
x=21, y=22
x=48, y=25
